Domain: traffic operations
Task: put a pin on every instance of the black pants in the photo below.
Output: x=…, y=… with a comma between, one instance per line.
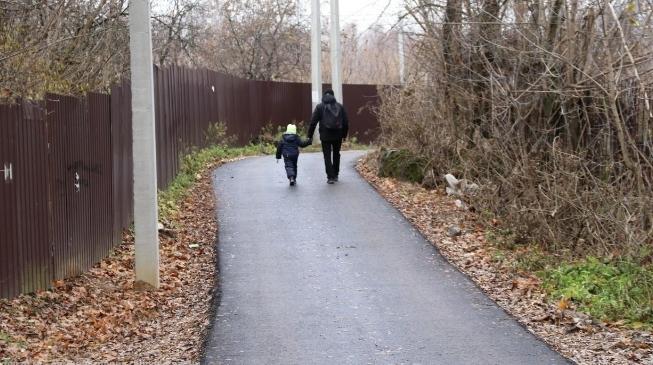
x=331, y=150
x=291, y=165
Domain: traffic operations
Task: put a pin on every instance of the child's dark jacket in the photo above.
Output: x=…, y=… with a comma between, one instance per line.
x=289, y=145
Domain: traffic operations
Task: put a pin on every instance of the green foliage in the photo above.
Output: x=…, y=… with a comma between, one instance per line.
x=523, y=258
x=6, y=339
x=607, y=290
x=501, y=238
x=271, y=134
x=533, y=259
x=216, y=135
x=505, y=238
x=402, y=164
x=499, y=256
x=352, y=143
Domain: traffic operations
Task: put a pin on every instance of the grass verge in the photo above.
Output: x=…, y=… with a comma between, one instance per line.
x=614, y=291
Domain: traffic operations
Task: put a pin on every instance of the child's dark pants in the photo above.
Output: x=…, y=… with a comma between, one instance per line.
x=291, y=165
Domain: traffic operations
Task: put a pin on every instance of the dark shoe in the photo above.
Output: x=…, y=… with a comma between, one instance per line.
x=335, y=179
x=330, y=181
x=292, y=181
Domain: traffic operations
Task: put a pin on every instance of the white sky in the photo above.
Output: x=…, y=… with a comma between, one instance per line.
x=364, y=13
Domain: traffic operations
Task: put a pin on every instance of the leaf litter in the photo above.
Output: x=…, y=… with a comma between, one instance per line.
x=100, y=317
x=575, y=335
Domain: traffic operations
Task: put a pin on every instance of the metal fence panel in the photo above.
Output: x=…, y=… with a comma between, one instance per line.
x=30, y=176
x=9, y=264
x=69, y=195
x=121, y=152
x=360, y=101
x=100, y=175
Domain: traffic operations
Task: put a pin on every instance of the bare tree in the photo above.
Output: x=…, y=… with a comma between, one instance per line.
x=371, y=57
x=61, y=46
x=545, y=103
x=178, y=30
x=76, y=46
x=263, y=40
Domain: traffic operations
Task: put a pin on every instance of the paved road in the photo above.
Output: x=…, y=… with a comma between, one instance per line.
x=333, y=274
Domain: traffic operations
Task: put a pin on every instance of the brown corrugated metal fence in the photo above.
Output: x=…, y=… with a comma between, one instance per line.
x=66, y=178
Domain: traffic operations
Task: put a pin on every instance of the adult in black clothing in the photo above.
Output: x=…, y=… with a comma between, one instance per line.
x=334, y=126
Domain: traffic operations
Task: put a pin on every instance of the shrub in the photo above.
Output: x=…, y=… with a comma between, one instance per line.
x=560, y=146
x=216, y=135
x=401, y=164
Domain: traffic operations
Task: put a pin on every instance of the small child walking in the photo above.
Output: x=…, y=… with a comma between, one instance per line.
x=288, y=147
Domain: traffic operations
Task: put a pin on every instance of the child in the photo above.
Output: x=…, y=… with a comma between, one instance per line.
x=288, y=147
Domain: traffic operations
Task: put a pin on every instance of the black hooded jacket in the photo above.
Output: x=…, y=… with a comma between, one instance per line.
x=289, y=146
x=326, y=134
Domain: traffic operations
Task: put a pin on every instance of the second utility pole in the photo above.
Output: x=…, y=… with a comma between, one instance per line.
x=316, y=55
x=336, y=63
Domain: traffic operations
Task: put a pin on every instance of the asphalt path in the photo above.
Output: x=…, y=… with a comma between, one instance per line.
x=333, y=274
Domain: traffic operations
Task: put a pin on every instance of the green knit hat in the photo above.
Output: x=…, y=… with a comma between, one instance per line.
x=291, y=129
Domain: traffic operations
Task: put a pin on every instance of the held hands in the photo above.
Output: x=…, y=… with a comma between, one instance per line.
x=310, y=141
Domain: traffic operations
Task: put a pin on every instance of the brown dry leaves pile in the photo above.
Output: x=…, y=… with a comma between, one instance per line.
x=573, y=334
x=100, y=317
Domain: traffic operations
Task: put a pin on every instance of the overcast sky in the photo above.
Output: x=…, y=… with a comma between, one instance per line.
x=364, y=13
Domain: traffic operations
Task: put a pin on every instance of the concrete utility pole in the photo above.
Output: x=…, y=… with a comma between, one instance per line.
x=144, y=145
x=336, y=63
x=402, y=56
x=316, y=52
